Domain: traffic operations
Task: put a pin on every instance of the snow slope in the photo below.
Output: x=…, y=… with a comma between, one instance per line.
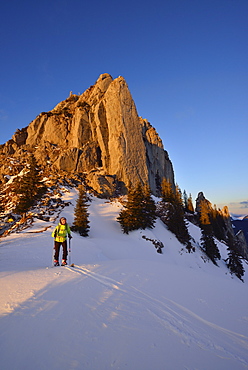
x=123, y=305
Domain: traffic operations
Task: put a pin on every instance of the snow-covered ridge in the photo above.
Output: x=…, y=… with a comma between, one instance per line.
x=123, y=306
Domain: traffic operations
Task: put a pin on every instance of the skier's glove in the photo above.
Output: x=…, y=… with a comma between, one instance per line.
x=69, y=236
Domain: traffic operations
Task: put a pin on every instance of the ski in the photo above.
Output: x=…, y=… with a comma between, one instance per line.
x=71, y=265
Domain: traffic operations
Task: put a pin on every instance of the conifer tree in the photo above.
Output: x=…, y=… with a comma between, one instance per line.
x=149, y=208
x=139, y=210
x=207, y=238
x=81, y=220
x=167, y=191
x=185, y=201
x=218, y=224
x=190, y=204
x=171, y=208
x=158, y=184
x=129, y=218
x=24, y=204
x=176, y=221
x=234, y=261
x=29, y=187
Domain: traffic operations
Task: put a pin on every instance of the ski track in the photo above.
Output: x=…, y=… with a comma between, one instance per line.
x=190, y=327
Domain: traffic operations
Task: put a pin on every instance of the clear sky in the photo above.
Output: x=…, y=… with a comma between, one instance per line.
x=185, y=62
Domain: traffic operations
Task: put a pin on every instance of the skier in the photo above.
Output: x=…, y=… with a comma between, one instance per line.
x=60, y=238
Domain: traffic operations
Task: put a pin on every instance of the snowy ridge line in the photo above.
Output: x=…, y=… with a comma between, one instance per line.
x=190, y=327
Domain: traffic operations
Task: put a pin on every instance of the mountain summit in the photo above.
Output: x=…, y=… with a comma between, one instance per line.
x=99, y=134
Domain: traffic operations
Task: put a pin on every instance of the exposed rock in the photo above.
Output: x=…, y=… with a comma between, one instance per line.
x=9, y=148
x=239, y=237
x=227, y=219
x=157, y=158
x=241, y=230
x=100, y=133
x=105, y=186
x=242, y=244
x=201, y=198
x=20, y=136
x=68, y=160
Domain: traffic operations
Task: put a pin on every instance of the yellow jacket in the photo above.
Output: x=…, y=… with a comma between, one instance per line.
x=60, y=232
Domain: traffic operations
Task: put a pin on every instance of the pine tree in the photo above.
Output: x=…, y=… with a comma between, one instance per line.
x=167, y=191
x=234, y=262
x=29, y=187
x=176, y=221
x=190, y=204
x=218, y=223
x=171, y=208
x=81, y=220
x=158, y=184
x=207, y=238
x=149, y=209
x=24, y=204
x=185, y=201
x=129, y=218
x=139, y=210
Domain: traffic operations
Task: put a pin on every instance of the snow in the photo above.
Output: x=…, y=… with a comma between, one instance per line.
x=123, y=305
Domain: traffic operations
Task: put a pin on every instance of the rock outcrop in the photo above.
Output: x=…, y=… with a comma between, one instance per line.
x=201, y=198
x=226, y=224
x=100, y=134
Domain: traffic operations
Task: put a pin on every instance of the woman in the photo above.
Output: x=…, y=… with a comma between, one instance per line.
x=60, y=238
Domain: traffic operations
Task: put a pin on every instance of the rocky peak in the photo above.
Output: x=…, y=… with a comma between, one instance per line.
x=201, y=198
x=100, y=134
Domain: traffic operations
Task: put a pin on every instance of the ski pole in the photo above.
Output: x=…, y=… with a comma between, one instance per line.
x=53, y=254
x=70, y=264
x=69, y=251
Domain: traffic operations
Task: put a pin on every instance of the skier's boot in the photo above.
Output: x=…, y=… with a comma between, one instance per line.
x=55, y=263
x=64, y=263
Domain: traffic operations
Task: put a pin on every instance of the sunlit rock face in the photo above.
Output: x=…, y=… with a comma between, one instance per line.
x=100, y=134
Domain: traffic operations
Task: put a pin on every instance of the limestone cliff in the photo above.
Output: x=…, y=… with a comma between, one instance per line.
x=100, y=134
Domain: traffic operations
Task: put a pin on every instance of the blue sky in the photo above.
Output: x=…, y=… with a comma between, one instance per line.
x=185, y=61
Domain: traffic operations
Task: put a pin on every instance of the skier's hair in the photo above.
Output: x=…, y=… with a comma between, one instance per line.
x=62, y=218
